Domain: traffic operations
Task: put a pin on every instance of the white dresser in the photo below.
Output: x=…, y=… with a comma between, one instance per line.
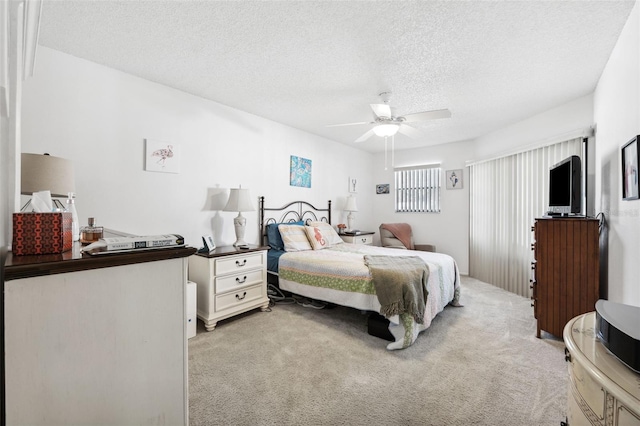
x=96, y=340
x=601, y=389
x=230, y=281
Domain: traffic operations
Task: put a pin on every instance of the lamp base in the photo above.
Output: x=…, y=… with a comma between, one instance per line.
x=239, y=223
x=351, y=218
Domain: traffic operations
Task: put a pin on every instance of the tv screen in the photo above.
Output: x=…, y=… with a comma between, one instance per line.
x=565, y=187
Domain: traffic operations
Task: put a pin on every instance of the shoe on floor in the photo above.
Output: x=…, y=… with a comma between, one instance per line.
x=315, y=304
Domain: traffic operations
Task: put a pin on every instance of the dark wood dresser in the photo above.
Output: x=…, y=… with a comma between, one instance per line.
x=566, y=270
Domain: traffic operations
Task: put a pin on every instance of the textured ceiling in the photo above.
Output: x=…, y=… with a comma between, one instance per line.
x=308, y=64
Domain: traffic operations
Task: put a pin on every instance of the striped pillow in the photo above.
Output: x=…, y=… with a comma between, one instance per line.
x=294, y=237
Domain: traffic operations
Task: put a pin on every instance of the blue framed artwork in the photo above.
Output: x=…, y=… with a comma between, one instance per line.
x=300, y=174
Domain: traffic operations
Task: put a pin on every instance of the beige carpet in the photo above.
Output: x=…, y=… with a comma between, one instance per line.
x=476, y=365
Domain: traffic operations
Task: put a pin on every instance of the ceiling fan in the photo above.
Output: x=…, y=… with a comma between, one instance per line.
x=387, y=123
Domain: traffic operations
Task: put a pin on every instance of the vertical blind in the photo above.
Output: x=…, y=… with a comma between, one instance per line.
x=4, y=59
x=506, y=195
x=417, y=189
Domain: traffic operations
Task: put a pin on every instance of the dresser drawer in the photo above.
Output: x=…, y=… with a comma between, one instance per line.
x=235, y=264
x=238, y=281
x=238, y=298
x=587, y=391
x=626, y=417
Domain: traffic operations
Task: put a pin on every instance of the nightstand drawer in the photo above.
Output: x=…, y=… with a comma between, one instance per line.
x=366, y=239
x=237, y=298
x=237, y=264
x=237, y=281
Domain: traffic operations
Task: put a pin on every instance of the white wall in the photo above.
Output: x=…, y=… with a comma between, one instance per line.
x=99, y=118
x=449, y=229
x=558, y=124
x=617, y=116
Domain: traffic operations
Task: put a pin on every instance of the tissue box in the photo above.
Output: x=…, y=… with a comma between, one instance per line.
x=42, y=233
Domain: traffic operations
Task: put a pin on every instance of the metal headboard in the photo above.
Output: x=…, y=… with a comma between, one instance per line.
x=295, y=211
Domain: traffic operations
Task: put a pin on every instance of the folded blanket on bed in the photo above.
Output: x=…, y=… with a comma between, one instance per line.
x=400, y=283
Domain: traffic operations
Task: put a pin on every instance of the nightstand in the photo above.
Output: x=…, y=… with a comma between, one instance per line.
x=364, y=237
x=230, y=281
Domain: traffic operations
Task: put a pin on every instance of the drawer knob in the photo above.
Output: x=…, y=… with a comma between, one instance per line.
x=239, y=265
x=241, y=281
x=364, y=240
x=241, y=297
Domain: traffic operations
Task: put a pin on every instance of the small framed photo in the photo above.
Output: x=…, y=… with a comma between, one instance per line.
x=208, y=244
x=353, y=184
x=454, y=179
x=630, y=160
x=382, y=188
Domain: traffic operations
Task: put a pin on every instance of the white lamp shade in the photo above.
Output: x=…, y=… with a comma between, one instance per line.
x=383, y=130
x=351, y=204
x=46, y=172
x=239, y=201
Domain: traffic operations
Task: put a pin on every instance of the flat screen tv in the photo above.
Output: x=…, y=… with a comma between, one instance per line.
x=565, y=187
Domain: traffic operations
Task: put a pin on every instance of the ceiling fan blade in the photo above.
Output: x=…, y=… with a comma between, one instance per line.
x=412, y=132
x=427, y=115
x=349, y=124
x=381, y=110
x=365, y=136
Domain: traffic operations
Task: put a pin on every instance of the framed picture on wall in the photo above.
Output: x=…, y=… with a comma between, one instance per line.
x=353, y=184
x=300, y=172
x=454, y=179
x=382, y=188
x=162, y=157
x=630, y=160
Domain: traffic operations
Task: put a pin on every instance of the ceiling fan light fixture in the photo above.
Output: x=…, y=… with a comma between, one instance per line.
x=385, y=130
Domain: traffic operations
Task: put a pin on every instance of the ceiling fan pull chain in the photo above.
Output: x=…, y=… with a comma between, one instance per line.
x=385, y=152
x=393, y=151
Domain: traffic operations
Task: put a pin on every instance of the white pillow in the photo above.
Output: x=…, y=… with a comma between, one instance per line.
x=294, y=237
x=326, y=231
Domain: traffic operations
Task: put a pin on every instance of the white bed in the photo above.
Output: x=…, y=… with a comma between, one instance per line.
x=337, y=273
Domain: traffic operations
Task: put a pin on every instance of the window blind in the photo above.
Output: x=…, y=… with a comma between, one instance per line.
x=506, y=195
x=417, y=189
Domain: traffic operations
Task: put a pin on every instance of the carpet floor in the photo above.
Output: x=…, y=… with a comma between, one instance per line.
x=480, y=364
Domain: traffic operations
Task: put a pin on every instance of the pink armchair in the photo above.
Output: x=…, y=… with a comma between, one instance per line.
x=400, y=236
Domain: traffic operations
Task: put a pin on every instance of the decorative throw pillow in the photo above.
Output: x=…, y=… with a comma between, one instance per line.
x=294, y=237
x=316, y=237
x=330, y=235
x=273, y=234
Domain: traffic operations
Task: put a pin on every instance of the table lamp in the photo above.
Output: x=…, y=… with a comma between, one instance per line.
x=239, y=201
x=351, y=207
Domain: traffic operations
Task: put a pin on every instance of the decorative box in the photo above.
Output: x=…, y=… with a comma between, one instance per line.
x=42, y=233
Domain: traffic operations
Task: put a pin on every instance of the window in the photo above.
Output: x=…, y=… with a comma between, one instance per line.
x=418, y=189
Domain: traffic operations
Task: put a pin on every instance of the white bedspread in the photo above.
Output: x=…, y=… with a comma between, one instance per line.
x=339, y=275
